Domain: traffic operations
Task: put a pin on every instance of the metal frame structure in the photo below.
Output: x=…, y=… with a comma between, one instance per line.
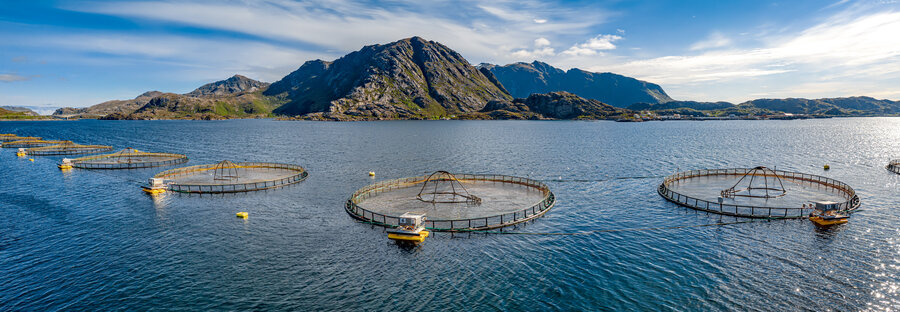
x=440, y=178
x=28, y=143
x=850, y=204
x=7, y=137
x=67, y=148
x=452, y=225
x=763, y=172
x=894, y=166
x=171, y=176
x=128, y=158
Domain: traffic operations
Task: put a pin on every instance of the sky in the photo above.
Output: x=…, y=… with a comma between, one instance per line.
x=80, y=53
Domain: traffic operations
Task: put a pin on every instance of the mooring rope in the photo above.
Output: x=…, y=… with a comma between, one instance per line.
x=592, y=231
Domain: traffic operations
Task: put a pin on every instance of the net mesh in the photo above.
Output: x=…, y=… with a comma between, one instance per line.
x=128, y=158
x=67, y=148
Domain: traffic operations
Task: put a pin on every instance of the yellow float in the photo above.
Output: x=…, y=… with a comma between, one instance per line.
x=827, y=214
x=411, y=229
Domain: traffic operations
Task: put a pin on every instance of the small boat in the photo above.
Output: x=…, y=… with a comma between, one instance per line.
x=410, y=229
x=828, y=213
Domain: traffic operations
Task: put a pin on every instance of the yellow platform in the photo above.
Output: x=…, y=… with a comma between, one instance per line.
x=826, y=222
x=243, y=215
x=153, y=191
x=409, y=238
x=64, y=167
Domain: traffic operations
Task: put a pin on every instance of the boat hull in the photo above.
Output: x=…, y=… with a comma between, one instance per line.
x=827, y=222
x=409, y=237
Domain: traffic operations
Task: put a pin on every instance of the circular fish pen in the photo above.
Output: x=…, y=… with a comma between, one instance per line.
x=756, y=192
x=128, y=158
x=894, y=166
x=463, y=202
x=229, y=177
x=6, y=137
x=67, y=148
x=29, y=143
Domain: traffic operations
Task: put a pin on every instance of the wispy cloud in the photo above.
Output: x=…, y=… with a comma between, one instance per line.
x=845, y=48
x=715, y=40
x=196, y=58
x=593, y=46
x=13, y=78
x=490, y=31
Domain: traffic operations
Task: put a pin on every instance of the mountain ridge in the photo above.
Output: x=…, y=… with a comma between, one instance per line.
x=412, y=78
x=523, y=79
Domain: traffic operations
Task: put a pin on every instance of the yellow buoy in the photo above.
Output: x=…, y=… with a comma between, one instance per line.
x=31, y=159
x=242, y=215
x=371, y=173
x=153, y=191
x=827, y=167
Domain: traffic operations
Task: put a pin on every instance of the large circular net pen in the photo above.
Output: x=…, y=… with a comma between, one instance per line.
x=128, y=158
x=229, y=177
x=30, y=143
x=453, y=202
x=756, y=192
x=67, y=148
x=6, y=137
x=894, y=166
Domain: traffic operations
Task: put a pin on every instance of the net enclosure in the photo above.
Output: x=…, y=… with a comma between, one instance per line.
x=128, y=158
x=27, y=143
x=67, y=148
x=757, y=192
x=229, y=177
x=461, y=202
x=7, y=137
x=894, y=166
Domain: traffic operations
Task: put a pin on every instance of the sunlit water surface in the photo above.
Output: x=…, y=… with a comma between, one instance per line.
x=92, y=240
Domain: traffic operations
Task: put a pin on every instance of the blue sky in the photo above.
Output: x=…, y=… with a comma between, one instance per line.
x=80, y=53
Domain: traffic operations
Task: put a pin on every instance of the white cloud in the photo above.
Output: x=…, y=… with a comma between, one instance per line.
x=851, y=53
x=593, y=46
x=198, y=58
x=541, y=49
x=715, y=40
x=344, y=26
x=509, y=15
x=526, y=55
x=12, y=78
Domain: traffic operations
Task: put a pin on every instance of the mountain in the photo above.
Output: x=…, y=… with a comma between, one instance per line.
x=846, y=106
x=524, y=79
x=680, y=104
x=237, y=96
x=109, y=107
x=17, y=114
x=235, y=84
x=553, y=105
x=180, y=106
x=408, y=79
x=20, y=109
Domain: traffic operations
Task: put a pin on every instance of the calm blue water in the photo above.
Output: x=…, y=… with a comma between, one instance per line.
x=93, y=240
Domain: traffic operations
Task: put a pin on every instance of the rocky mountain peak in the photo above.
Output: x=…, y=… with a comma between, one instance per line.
x=523, y=79
x=149, y=94
x=408, y=78
x=235, y=84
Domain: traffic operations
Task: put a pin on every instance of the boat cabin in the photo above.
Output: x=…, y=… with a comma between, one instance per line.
x=827, y=205
x=411, y=220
